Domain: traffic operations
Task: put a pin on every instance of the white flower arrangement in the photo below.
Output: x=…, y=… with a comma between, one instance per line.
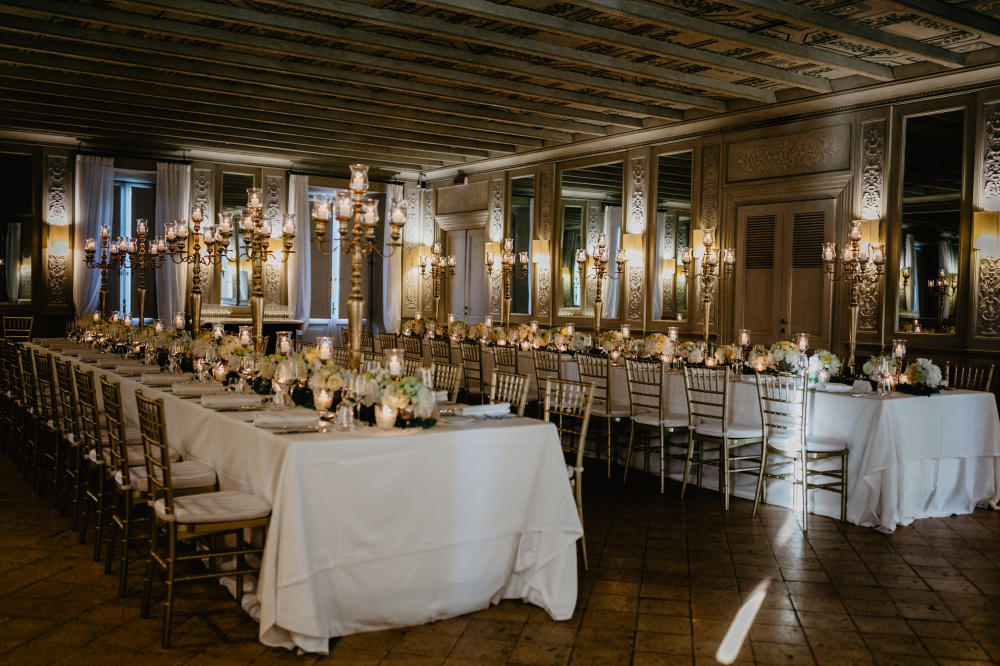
x=760, y=358
x=408, y=394
x=458, y=330
x=497, y=336
x=656, y=344
x=330, y=377
x=476, y=332
x=869, y=367
x=824, y=360
x=373, y=383
x=685, y=349
x=923, y=372
x=580, y=342
x=611, y=340
x=265, y=367
x=785, y=352
x=725, y=354
x=520, y=333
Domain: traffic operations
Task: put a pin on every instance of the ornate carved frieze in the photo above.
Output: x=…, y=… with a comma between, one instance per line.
x=545, y=210
x=988, y=310
x=463, y=198
x=496, y=210
x=56, y=207
x=57, y=279
x=816, y=151
x=272, y=282
x=872, y=152
x=411, y=253
x=427, y=226
x=637, y=200
x=272, y=203
x=544, y=288
x=710, y=187
x=667, y=251
x=634, y=292
x=991, y=158
x=682, y=292
x=868, y=306
x=201, y=193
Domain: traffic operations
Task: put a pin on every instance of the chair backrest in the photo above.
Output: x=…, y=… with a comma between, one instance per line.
x=114, y=415
x=472, y=360
x=154, y=442
x=90, y=412
x=547, y=366
x=17, y=329
x=6, y=368
x=303, y=346
x=46, y=387
x=344, y=337
x=370, y=361
x=595, y=368
x=447, y=377
x=341, y=356
x=782, y=405
x=441, y=350
x=69, y=415
x=505, y=358
x=387, y=341
x=29, y=387
x=410, y=366
x=970, y=376
x=413, y=346
x=707, y=392
x=645, y=386
x=368, y=341
x=571, y=403
x=510, y=387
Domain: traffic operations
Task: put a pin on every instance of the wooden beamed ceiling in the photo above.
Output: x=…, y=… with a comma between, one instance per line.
x=412, y=85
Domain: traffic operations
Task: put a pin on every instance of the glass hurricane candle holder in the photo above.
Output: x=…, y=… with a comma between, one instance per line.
x=179, y=321
x=218, y=330
x=394, y=363
x=323, y=400
x=385, y=417
x=324, y=349
x=246, y=337
x=284, y=344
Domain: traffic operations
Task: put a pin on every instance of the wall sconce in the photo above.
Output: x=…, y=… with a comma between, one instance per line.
x=632, y=245
x=986, y=232
x=869, y=233
x=697, y=244
x=669, y=268
x=493, y=248
x=540, y=252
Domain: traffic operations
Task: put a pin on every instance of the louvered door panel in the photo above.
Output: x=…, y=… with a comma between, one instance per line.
x=806, y=299
x=761, y=275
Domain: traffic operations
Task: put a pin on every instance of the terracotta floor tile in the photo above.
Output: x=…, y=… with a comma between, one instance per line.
x=482, y=649
x=538, y=654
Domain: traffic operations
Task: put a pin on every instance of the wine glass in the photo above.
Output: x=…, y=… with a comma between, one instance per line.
x=284, y=375
x=176, y=355
x=348, y=398
x=245, y=370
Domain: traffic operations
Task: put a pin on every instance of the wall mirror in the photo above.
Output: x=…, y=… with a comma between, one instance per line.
x=591, y=205
x=671, y=237
x=16, y=229
x=234, y=286
x=522, y=219
x=929, y=222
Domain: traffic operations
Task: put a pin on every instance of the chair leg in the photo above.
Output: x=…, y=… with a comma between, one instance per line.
x=663, y=467
x=126, y=543
x=628, y=454
x=171, y=573
x=578, y=482
x=803, y=466
x=843, y=487
x=608, y=425
x=99, y=512
x=687, y=466
x=760, y=481
x=724, y=472
x=147, y=585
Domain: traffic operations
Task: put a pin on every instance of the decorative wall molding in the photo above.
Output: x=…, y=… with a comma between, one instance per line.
x=463, y=198
x=411, y=254
x=201, y=191
x=988, y=310
x=667, y=251
x=273, y=190
x=544, y=288
x=57, y=279
x=56, y=206
x=634, y=292
x=272, y=282
x=709, y=187
x=637, y=198
x=873, y=156
x=815, y=151
x=427, y=226
x=496, y=210
x=545, y=209
x=991, y=157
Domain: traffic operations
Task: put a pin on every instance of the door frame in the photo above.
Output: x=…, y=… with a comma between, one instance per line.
x=478, y=219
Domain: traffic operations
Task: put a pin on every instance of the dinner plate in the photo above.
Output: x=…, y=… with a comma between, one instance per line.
x=456, y=420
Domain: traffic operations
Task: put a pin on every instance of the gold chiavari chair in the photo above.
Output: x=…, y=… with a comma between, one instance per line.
x=969, y=376
x=370, y=361
x=447, y=377
x=71, y=431
x=596, y=368
x=646, y=388
x=505, y=358
x=548, y=365
x=783, y=413
x=368, y=341
x=410, y=366
x=387, y=341
x=413, y=347
x=93, y=438
x=441, y=350
x=345, y=337
x=31, y=412
x=18, y=329
x=183, y=518
x=51, y=446
x=707, y=391
x=472, y=361
x=341, y=356
x=8, y=400
x=510, y=387
x=571, y=403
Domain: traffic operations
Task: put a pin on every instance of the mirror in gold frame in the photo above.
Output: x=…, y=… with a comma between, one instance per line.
x=671, y=234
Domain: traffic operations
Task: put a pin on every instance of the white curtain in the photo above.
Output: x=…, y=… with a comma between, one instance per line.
x=13, y=267
x=613, y=225
x=392, y=270
x=299, y=263
x=94, y=202
x=658, y=259
x=173, y=192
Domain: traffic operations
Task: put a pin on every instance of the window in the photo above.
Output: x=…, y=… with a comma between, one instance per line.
x=673, y=227
x=331, y=232
x=135, y=198
x=234, y=283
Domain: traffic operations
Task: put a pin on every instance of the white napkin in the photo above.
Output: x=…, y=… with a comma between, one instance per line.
x=163, y=379
x=289, y=419
x=109, y=363
x=440, y=396
x=132, y=367
x=499, y=409
x=861, y=386
x=198, y=389
x=835, y=388
x=231, y=400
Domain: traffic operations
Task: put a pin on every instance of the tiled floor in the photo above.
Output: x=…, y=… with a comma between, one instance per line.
x=666, y=582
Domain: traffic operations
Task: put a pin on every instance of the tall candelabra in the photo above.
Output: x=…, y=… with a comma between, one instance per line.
x=109, y=261
x=358, y=219
x=216, y=246
x=437, y=268
x=860, y=266
x=942, y=287
x=709, y=272
x=256, y=251
x=508, y=273
x=600, y=270
x=136, y=257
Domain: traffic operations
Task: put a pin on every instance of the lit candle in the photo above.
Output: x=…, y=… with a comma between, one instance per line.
x=225, y=223
x=626, y=330
x=171, y=232
x=488, y=322
x=104, y=232
x=395, y=364
x=246, y=338
x=253, y=197
x=710, y=362
x=91, y=245
x=686, y=256
x=744, y=337
x=325, y=348
x=179, y=320
x=709, y=237
x=570, y=329
x=153, y=249
x=878, y=254
x=97, y=315
x=114, y=249
x=863, y=254
x=672, y=333
x=451, y=319
x=161, y=244
x=829, y=251
x=344, y=207
x=182, y=228
x=534, y=327
x=218, y=330
x=288, y=228
x=284, y=343
x=418, y=316
x=581, y=256
x=615, y=355
x=127, y=320
x=359, y=177
x=730, y=256
x=140, y=227
x=398, y=215
x=803, y=341
x=323, y=400
x=197, y=213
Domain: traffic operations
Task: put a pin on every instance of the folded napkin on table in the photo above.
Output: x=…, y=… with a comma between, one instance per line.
x=861, y=386
x=835, y=388
x=441, y=396
x=163, y=379
x=133, y=367
x=197, y=389
x=289, y=419
x=93, y=354
x=499, y=409
x=108, y=363
x=231, y=400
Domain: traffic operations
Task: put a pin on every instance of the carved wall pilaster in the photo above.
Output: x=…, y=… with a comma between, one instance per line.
x=272, y=282
x=201, y=191
x=543, y=283
x=427, y=232
x=545, y=209
x=56, y=212
x=496, y=236
x=274, y=187
x=991, y=157
x=709, y=187
x=872, y=180
x=988, y=297
x=637, y=196
x=411, y=255
x=57, y=280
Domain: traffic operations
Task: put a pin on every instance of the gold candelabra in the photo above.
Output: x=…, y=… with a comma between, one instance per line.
x=861, y=265
x=437, y=268
x=216, y=246
x=136, y=257
x=942, y=287
x=109, y=261
x=600, y=254
x=358, y=220
x=508, y=273
x=709, y=271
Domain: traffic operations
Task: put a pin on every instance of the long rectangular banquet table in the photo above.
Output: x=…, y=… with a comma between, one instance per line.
x=372, y=532
x=910, y=456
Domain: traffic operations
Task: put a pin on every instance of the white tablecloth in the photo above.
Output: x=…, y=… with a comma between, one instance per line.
x=377, y=532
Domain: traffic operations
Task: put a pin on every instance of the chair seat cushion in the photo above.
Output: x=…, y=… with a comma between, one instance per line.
x=668, y=421
x=601, y=408
x=188, y=474
x=789, y=441
x=221, y=507
x=136, y=455
x=734, y=431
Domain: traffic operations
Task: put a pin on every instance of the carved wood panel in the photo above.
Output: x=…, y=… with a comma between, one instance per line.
x=873, y=161
x=273, y=189
x=988, y=311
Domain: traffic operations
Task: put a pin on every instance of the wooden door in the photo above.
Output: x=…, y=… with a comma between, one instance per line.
x=761, y=257
x=467, y=296
x=457, y=288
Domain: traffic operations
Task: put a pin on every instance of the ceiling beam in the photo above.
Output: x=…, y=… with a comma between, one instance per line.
x=714, y=30
x=963, y=18
x=303, y=27
x=225, y=64
x=422, y=25
x=856, y=31
x=254, y=84
x=69, y=88
x=579, y=29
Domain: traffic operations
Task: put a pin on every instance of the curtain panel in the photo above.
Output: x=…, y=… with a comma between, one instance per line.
x=94, y=202
x=392, y=269
x=173, y=196
x=300, y=262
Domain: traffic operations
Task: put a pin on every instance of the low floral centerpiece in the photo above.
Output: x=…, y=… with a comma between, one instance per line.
x=823, y=365
x=921, y=377
x=690, y=352
x=727, y=354
x=786, y=356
